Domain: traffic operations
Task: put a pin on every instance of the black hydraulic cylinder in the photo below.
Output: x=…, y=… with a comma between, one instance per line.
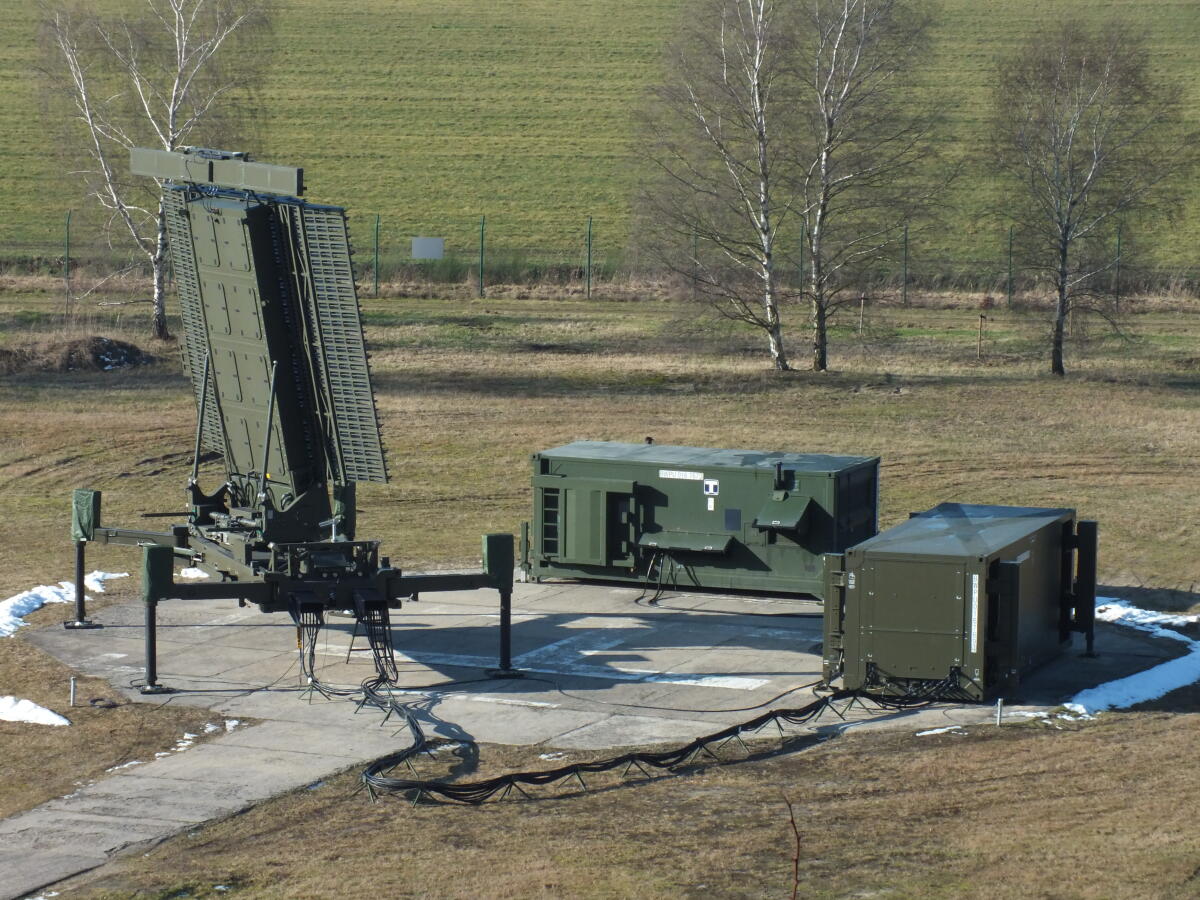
x=157, y=575
x=506, y=630
x=151, y=647
x=80, y=620
x=498, y=565
x=1087, y=532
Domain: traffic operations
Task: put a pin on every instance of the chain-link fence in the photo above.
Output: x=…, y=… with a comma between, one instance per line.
x=477, y=252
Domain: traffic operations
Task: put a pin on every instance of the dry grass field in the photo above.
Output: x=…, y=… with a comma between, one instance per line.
x=1103, y=811
x=467, y=389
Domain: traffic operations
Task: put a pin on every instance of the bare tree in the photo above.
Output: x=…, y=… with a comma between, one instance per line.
x=159, y=79
x=864, y=158
x=718, y=136
x=782, y=124
x=1088, y=134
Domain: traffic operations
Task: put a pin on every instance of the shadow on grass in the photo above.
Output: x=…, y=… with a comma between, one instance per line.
x=1169, y=600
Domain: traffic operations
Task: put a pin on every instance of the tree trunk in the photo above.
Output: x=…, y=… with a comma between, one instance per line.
x=775, y=337
x=820, y=344
x=1061, y=308
x=159, y=265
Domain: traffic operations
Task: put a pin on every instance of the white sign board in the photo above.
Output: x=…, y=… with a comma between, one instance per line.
x=428, y=248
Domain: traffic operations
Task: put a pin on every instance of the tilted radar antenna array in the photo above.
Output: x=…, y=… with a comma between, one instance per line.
x=273, y=345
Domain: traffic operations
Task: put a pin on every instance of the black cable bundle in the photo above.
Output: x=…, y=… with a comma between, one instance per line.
x=377, y=692
x=477, y=792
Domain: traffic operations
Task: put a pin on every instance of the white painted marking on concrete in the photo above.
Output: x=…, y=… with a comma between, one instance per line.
x=570, y=649
x=508, y=702
x=614, y=673
x=477, y=698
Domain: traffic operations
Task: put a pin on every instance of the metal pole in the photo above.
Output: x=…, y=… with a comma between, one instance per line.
x=904, y=285
x=72, y=690
x=376, y=256
x=482, y=220
x=1010, y=269
x=803, y=238
x=262, y=480
x=979, y=343
x=67, y=262
x=589, y=258
x=1117, y=275
x=200, y=420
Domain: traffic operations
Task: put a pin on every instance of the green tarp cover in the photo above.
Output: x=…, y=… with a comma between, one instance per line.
x=85, y=514
x=784, y=514
x=687, y=540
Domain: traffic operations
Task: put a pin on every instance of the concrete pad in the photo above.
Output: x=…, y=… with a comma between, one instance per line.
x=632, y=731
x=26, y=873
x=605, y=669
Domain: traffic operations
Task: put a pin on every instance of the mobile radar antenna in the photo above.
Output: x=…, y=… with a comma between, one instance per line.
x=273, y=345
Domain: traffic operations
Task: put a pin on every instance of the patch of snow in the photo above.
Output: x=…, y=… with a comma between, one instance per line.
x=188, y=737
x=94, y=581
x=1142, y=686
x=1121, y=612
x=132, y=762
x=209, y=728
x=1152, y=683
x=13, y=709
x=16, y=608
x=231, y=724
x=552, y=756
x=949, y=729
x=192, y=572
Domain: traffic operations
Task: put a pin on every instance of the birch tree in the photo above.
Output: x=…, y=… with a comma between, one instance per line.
x=864, y=155
x=782, y=125
x=718, y=139
x=161, y=78
x=1086, y=134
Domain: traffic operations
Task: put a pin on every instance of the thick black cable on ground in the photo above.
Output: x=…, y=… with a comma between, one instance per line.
x=377, y=692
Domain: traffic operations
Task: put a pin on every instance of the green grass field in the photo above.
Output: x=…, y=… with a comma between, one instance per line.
x=433, y=114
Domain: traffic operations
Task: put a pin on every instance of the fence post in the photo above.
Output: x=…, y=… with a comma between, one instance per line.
x=589, y=258
x=904, y=285
x=800, y=267
x=67, y=264
x=1010, y=271
x=482, y=220
x=1117, y=275
x=376, y=256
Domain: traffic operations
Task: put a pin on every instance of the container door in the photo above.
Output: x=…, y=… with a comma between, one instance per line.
x=583, y=521
x=914, y=617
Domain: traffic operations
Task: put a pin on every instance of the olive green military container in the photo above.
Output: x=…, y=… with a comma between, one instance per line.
x=696, y=517
x=959, y=601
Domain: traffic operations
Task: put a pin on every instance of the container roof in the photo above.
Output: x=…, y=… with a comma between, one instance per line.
x=703, y=457
x=962, y=529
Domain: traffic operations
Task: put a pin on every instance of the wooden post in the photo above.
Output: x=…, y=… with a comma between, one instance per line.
x=979, y=342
